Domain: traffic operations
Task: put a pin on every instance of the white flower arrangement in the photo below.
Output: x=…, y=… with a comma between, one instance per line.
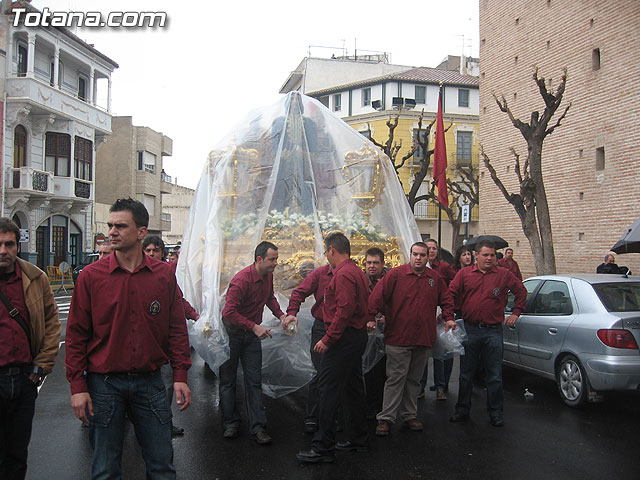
x=348, y=223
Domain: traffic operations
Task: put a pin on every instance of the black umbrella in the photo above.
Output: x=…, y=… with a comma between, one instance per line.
x=630, y=241
x=499, y=242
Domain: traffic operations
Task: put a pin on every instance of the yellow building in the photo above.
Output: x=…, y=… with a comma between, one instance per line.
x=367, y=105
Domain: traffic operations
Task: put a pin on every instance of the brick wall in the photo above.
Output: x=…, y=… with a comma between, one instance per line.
x=590, y=209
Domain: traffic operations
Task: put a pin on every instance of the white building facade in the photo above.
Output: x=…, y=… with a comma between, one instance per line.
x=58, y=96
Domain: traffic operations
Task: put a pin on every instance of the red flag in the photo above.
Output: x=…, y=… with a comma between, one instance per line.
x=440, y=158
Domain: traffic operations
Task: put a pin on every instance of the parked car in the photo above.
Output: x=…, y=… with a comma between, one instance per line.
x=88, y=259
x=580, y=330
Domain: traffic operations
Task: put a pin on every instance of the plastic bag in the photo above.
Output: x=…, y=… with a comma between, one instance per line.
x=448, y=344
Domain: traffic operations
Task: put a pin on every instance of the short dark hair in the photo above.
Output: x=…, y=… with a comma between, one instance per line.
x=485, y=243
x=153, y=239
x=508, y=249
x=262, y=249
x=9, y=226
x=419, y=244
x=375, y=252
x=137, y=209
x=338, y=241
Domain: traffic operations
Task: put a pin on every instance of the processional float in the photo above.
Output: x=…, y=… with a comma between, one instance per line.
x=289, y=173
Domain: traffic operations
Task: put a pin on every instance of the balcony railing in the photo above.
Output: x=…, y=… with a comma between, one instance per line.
x=26, y=178
x=82, y=189
x=456, y=160
x=57, y=101
x=165, y=177
x=426, y=210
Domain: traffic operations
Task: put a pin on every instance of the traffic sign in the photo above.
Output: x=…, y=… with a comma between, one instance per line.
x=465, y=213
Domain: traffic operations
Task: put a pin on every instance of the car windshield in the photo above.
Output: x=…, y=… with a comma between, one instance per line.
x=619, y=297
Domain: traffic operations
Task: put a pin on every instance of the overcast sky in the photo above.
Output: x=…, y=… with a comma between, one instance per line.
x=194, y=79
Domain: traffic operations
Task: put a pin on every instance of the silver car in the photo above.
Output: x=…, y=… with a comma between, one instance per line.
x=580, y=330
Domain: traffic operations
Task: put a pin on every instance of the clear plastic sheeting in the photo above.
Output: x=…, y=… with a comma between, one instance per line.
x=288, y=173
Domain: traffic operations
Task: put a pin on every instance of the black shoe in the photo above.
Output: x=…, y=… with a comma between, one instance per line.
x=458, y=417
x=310, y=427
x=176, y=431
x=497, y=422
x=231, y=432
x=262, y=438
x=350, y=447
x=311, y=456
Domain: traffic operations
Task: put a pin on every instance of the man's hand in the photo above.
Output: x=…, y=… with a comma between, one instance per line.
x=80, y=402
x=511, y=320
x=183, y=395
x=450, y=325
x=371, y=326
x=287, y=320
x=37, y=378
x=320, y=347
x=261, y=332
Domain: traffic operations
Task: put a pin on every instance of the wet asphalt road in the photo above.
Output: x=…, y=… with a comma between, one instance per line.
x=542, y=439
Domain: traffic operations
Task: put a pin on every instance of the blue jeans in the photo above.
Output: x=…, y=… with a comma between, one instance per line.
x=17, y=405
x=441, y=373
x=144, y=399
x=487, y=341
x=244, y=347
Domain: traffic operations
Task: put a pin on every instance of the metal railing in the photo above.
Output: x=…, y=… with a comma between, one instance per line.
x=26, y=178
x=82, y=189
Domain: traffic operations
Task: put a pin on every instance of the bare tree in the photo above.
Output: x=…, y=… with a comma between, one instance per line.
x=464, y=185
x=531, y=203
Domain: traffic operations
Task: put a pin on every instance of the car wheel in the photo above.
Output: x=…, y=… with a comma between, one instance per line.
x=573, y=383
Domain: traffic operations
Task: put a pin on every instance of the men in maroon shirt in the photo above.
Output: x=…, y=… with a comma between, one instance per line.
x=345, y=315
x=314, y=284
x=375, y=376
x=249, y=291
x=154, y=247
x=408, y=296
x=29, y=338
x=509, y=263
x=481, y=292
x=116, y=344
x=441, y=368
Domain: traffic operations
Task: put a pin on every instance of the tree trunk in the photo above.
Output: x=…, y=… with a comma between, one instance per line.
x=548, y=264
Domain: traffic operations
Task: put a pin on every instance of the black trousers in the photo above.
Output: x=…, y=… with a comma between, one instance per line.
x=340, y=378
x=17, y=406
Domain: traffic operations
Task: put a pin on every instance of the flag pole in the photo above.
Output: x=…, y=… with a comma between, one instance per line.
x=440, y=111
x=439, y=225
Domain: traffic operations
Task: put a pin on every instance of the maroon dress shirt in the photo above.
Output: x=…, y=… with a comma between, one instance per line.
x=345, y=301
x=14, y=344
x=122, y=321
x=315, y=284
x=445, y=270
x=511, y=265
x=409, y=302
x=482, y=296
x=247, y=295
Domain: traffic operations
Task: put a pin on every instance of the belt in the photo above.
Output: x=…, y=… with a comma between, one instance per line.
x=130, y=374
x=482, y=324
x=12, y=370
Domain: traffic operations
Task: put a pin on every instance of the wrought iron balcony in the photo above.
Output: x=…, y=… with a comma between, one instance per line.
x=26, y=178
x=82, y=189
